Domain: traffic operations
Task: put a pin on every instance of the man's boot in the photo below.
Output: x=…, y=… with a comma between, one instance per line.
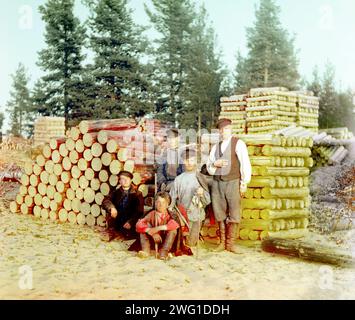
x=222, y=237
x=109, y=233
x=145, y=243
x=167, y=245
x=231, y=234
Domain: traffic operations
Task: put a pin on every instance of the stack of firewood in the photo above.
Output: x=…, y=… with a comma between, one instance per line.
x=46, y=128
x=71, y=177
x=328, y=150
x=308, y=111
x=270, y=110
x=277, y=200
x=339, y=133
x=234, y=108
x=266, y=110
x=11, y=143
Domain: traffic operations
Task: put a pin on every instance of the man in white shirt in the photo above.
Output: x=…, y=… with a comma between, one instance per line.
x=230, y=166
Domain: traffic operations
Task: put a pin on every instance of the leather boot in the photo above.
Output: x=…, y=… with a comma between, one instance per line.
x=231, y=234
x=222, y=237
x=168, y=243
x=145, y=243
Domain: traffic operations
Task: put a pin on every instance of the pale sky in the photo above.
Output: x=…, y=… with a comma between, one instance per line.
x=325, y=30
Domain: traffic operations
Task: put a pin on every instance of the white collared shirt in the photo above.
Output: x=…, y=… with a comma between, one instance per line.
x=241, y=151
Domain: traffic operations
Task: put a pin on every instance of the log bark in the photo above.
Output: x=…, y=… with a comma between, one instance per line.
x=113, y=124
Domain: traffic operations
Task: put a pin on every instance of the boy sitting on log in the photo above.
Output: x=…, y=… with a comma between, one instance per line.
x=160, y=228
x=188, y=192
x=124, y=207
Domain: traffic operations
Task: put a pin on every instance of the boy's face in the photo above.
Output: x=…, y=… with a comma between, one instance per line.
x=226, y=132
x=124, y=181
x=173, y=142
x=190, y=164
x=161, y=204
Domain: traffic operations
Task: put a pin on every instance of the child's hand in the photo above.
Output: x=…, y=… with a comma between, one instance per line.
x=114, y=213
x=127, y=226
x=157, y=238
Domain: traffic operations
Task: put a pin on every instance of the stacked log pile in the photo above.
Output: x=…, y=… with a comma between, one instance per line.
x=266, y=110
x=339, y=133
x=71, y=177
x=308, y=111
x=46, y=128
x=326, y=150
x=270, y=109
x=277, y=200
x=330, y=151
x=11, y=143
x=234, y=108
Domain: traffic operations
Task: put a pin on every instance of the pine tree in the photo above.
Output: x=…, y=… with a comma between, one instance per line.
x=345, y=113
x=19, y=106
x=61, y=60
x=121, y=84
x=315, y=86
x=271, y=59
x=173, y=20
x=241, y=76
x=329, y=103
x=205, y=74
x=2, y=118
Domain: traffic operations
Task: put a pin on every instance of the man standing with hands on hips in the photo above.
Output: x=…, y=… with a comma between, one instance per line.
x=229, y=164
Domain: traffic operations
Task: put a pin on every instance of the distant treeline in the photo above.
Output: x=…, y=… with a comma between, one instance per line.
x=179, y=76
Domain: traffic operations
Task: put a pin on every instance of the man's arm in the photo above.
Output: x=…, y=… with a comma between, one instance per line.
x=143, y=225
x=107, y=204
x=211, y=160
x=245, y=165
x=137, y=208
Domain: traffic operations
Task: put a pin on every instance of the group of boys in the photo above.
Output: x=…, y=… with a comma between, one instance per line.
x=184, y=192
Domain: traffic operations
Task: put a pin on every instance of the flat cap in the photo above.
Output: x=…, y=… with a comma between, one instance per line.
x=173, y=133
x=221, y=123
x=126, y=174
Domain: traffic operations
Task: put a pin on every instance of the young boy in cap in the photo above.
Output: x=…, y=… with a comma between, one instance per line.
x=230, y=166
x=124, y=207
x=188, y=192
x=169, y=166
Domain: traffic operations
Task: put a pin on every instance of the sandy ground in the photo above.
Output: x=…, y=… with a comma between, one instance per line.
x=71, y=262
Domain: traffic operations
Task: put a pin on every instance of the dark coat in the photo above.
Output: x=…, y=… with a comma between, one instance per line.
x=162, y=172
x=133, y=211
